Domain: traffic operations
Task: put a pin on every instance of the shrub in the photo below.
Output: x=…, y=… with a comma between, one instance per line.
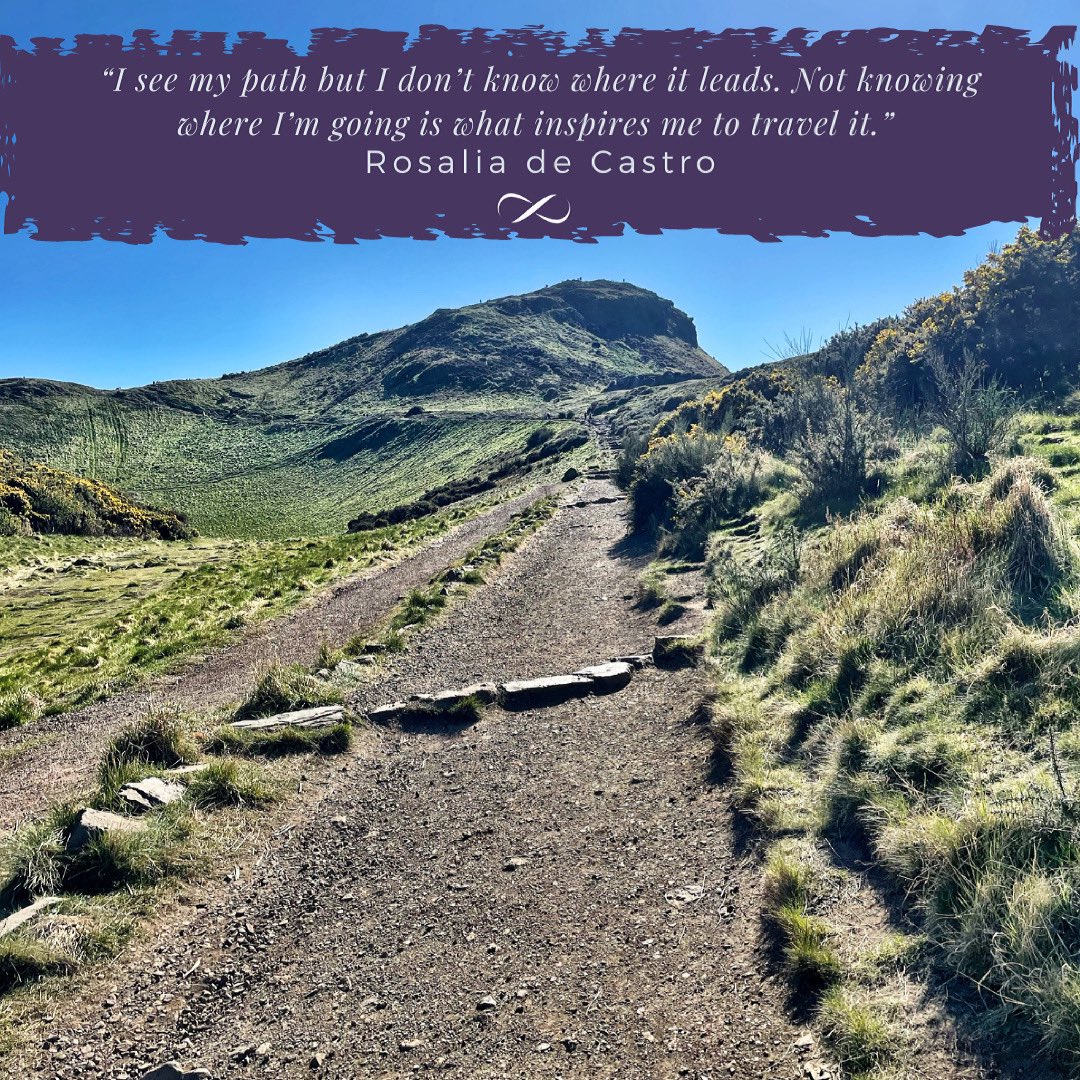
x=633, y=447
x=739, y=479
x=669, y=463
x=833, y=435
x=976, y=415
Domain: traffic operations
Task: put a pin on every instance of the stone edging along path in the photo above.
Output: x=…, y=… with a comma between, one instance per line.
x=459, y=705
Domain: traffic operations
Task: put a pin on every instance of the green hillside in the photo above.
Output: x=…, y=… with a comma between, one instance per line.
x=375, y=421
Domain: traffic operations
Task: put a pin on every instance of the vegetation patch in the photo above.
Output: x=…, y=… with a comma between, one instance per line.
x=280, y=742
x=82, y=618
x=287, y=688
x=35, y=498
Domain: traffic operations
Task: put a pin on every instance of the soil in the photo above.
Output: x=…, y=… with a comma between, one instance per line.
x=559, y=892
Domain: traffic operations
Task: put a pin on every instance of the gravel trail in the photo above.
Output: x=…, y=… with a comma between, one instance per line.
x=549, y=893
x=62, y=751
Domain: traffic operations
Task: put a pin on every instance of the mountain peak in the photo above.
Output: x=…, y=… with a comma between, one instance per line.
x=612, y=310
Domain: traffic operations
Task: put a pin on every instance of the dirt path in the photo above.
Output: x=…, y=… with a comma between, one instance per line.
x=62, y=751
x=385, y=934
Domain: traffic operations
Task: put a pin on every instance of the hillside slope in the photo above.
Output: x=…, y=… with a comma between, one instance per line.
x=370, y=422
x=35, y=498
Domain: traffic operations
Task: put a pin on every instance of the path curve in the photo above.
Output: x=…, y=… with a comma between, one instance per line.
x=64, y=750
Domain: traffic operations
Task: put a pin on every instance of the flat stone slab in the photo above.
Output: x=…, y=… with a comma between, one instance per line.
x=151, y=792
x=387, y=714
x=635, y=660
x=323, y=716
x=485, y=693
x=525, y=693
x=613, y=675
x=21, y=918
x=188, y=770
x=90, y=824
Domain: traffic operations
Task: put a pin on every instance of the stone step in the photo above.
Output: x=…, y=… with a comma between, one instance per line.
x=636, y=660
x=608, y=677
x=323, y=716
x=553, y=690
x=21, y=918
x=444, y=700
x=677, y=650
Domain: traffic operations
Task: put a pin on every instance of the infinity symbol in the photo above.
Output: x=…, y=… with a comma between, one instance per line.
x=534, y=208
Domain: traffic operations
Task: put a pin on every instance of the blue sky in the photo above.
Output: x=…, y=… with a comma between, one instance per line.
x=112, y=315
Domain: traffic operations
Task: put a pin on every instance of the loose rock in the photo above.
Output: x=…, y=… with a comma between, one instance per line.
x=90, y=824
x=608, y=677
x=323, y=716
x=21, y=918
x=528, y=693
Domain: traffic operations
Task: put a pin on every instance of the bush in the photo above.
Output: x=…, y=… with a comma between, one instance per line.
x=976, y=415
x=633, y=447
x=739, y=479
x=669, y=463
x=832, y=436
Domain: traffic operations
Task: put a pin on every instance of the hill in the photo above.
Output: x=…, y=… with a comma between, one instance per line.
x=369, y=423
x=35, y=498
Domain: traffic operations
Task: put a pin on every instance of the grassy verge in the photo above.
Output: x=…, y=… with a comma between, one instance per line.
x=84, y=617
x=907, y=692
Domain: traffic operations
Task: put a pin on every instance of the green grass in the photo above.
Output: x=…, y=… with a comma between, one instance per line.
x=860, y=1034
x=287, y=688
x=70, y=634
x=913, y=690
x=302, y=447
x=108, y=885
x=229, y=783
x=280, y=742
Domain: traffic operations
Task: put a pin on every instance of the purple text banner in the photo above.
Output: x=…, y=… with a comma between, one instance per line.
x=525, y=133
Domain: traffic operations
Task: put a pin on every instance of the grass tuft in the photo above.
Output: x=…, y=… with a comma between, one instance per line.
x=229, y=783
x=161, y=738
x=19, y=707
x=281, y=742
x=860, y=1035
x=287, y=688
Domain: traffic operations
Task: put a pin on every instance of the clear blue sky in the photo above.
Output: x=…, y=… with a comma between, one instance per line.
x=109, y=315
